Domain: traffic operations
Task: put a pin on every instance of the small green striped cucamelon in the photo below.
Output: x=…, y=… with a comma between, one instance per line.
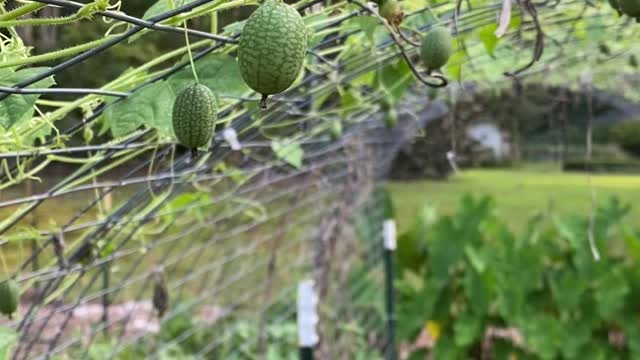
x=9, y=297
x=195, y=112
x=272, y=48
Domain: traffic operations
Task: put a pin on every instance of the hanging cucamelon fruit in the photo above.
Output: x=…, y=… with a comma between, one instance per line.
x=194, y=116
x=272, y=48
x=436, y=48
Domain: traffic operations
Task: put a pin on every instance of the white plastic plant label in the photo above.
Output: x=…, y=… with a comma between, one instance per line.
x=389, y=234
x=231, y=137
x=307, y=314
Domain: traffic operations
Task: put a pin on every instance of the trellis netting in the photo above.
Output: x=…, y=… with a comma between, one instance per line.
x=125, y=245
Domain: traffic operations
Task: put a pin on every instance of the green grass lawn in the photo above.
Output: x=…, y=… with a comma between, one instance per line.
x=518, y=193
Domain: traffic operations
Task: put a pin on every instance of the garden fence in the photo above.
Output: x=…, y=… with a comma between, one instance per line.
x=131, y=246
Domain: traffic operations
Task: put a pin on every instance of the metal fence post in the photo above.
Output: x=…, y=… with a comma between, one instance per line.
x=389, y=235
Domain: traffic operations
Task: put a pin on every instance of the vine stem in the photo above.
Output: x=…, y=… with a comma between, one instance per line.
x=124, y=79
x=22, y=10
x=193, y=65
x=443, y=80
x=40, y=21
x=56, y=54
x=4, y=262
x=216, y=6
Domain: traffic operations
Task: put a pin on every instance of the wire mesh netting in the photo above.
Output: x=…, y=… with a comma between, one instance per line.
x=150, y=250
x=147, y=250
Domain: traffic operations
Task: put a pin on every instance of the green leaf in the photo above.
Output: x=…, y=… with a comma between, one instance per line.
x=289, y=152
x=162, y=6
x=567, y=288
x=543, y=334
x=486, y=34
x=454, y=65
x=395, y=79
x=446, y=349
x=577, y=334
x=478, y=289
x=414, y=310
x=631, y=327
x=572, y=229
x=18, y=108
x=8, y=338
x=368, y=24
x=467, y=329
x=235, y=28
x=350, y=100
x=610, y=293
x=314, y=23
x=219, y=72
x=445, y=249
x=151, y=106
x=419, y=354
x=476, y=258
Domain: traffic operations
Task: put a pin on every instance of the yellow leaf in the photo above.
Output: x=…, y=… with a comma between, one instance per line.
x=434, y=329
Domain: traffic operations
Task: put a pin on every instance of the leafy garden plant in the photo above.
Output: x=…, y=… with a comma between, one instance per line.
x=474, y=286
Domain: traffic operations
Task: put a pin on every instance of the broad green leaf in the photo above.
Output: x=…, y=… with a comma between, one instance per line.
x=17, y=108
x=44, y=128
x=411, y=6
x=365, y=79
x=395, y=79
x=151, y=106
x=475, y=258
x=446, y=349
x=455, y=64
x=467, y=329
x=610, y=293
x=445, y=250
x=162, y=6
x=314, y=23
x=235, y=28
x=414, y=311
x=419, y=354
x=567, y=288
x=418, y=19
x=631, y=327
x=350, y=99
x=219, y=72
x=543, y=334
x=478, y=289
x=368, y=25
x=288, y=151
x=8, y=339
x=486, y=34
x=572, y=229
x=577, y=333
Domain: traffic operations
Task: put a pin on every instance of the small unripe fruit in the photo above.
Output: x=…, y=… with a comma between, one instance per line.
x=436, y=48
x=194, y=115
x=160, y=298
x=391, y=118
x=336, y=129
x=9, y=297
x=391, y=10
x=272, y=48
x=604, y=49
